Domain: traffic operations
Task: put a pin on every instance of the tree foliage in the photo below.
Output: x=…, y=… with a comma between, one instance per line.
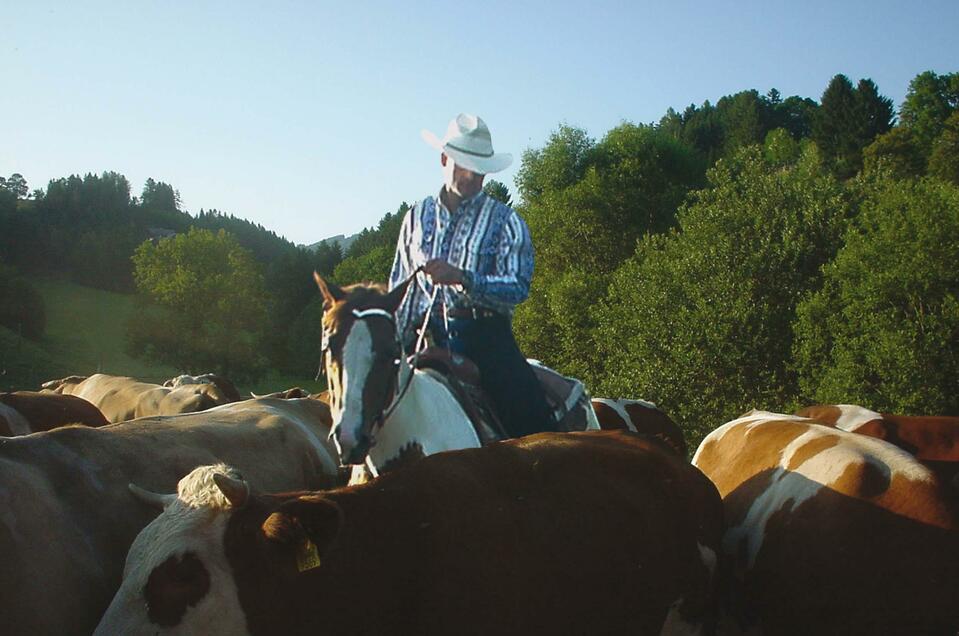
x=15, y=185
x=370, y=256
x=930, y=101
x=848, y=120
x=22, y=309
x=498, y=191
x=699, y=319
x=579, y=195
x=944, y=158
x=211, y=299
x=884, y=329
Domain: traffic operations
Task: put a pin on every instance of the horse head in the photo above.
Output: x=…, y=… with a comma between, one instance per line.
x=361, y=355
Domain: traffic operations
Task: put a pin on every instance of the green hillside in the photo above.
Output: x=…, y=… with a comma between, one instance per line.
x=85, y=335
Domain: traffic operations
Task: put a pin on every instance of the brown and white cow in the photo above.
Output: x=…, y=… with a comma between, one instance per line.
x=225, y=388
x=639, y=416
x=122, y=398
x=25, y=412
x=67, y=517
x=602, y=532
x=933, y=440
x=829, y=532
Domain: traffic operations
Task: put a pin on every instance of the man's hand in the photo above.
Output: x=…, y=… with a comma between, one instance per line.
x=442, y=273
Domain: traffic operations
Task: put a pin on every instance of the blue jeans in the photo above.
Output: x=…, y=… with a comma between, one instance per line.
x=505, y=374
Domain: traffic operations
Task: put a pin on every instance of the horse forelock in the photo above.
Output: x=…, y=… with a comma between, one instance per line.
x=359, y=296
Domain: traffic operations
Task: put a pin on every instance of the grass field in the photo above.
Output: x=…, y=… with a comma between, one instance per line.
x=85, y=335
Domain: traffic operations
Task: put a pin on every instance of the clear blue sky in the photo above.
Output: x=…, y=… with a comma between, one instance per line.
x=305, y=116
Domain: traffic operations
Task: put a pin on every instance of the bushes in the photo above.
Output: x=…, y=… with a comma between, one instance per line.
x=21, y=307
x=699, y=320
x=884, y=329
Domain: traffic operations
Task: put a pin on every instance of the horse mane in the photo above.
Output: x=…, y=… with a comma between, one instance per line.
x=363, y=295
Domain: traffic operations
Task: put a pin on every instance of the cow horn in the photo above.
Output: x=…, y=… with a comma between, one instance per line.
x=152, y=498
x=236, y=491
x=255, y=396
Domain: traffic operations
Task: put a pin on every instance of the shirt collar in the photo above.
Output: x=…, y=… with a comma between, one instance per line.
x=465, y=204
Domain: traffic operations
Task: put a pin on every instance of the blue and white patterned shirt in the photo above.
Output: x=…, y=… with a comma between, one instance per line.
x=484, y=237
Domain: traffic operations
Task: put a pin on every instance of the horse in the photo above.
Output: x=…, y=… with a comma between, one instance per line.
x=386, y=412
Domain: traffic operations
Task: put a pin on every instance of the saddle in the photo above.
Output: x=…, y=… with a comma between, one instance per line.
x=566, y=397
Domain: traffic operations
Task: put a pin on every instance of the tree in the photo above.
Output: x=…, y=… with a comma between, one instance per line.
x=559, y=164
x=884, y=329
x=795, y=114
x=159, y=196
x=944, y=159
x=370, y=256
x=16, y=184
x=22, y=309
x=929, y=102
x=745, y=118
x=848, y=120
x=498, y=191
x=586, y=205
x=212, y=303
x=700, y=128
x=698, y=320
x=896, y=151
x=372, y=267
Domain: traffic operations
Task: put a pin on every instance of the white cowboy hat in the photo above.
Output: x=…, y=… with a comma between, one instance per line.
x=468, y=144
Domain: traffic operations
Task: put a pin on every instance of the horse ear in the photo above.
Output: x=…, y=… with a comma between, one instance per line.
x=396, y=295
x=331, y=293
x=310, y=518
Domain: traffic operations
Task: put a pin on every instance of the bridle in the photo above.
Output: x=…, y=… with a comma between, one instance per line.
x=376, y=312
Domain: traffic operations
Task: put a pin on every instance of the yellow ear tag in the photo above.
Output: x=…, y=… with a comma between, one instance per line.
x=307, y=556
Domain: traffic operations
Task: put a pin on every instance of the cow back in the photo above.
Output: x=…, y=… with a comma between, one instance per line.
x=830, y=532
x=69, y=516
x=577, y=533
x=44, y=411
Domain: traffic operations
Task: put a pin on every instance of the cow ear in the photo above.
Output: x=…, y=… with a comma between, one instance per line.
x=311, y=517
x=331, y=293
x=396, y=295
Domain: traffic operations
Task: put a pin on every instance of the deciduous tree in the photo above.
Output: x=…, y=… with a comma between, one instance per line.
x=214, y=302
x=884, y=329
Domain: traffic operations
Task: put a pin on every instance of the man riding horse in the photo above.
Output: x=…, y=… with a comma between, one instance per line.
x=477, y=255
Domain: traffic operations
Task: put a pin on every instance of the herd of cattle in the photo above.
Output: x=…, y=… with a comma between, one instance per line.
x=835, y=520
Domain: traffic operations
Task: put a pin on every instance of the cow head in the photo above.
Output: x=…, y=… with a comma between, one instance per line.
x=361, y=352
x=176, y=572
x=190, y=570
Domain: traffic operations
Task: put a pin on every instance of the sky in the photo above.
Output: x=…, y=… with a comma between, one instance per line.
x=305, y=117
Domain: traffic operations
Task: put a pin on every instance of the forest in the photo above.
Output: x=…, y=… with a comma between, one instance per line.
x=759, y=252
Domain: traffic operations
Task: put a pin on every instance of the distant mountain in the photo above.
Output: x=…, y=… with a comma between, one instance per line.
x=343, y=240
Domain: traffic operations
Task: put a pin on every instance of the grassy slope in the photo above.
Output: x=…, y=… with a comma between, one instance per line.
x=85, y=328
x=85, y=335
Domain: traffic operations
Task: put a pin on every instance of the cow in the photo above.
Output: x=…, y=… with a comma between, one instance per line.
x=123, y=398
x=296, y=392
x=224, y=386
x=829, y=532
x=933, y=440
x=639, y=416
x=67, y=516
x=601, y=532
x=25, y=412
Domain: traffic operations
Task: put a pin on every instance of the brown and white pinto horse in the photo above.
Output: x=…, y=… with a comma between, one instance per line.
x=385, y=411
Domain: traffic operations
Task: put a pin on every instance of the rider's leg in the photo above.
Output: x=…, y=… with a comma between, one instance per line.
x=505, y=374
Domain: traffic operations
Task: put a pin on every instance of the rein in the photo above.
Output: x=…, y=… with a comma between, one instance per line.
x=382, y=313
x=376, y=312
